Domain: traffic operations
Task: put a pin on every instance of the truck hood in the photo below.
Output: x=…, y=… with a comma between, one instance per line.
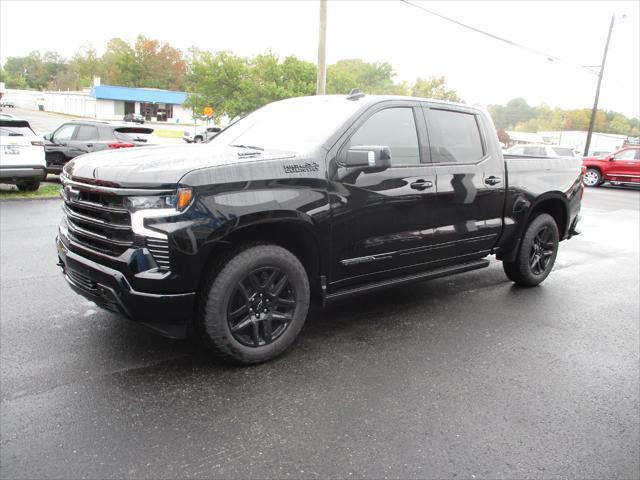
x=162, y=166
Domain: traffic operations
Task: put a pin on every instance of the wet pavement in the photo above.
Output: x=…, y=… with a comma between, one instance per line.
x=464, y=377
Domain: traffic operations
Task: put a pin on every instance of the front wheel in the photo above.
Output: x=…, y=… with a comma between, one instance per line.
x=592, y=178
x=254, y=304
x=537, y=253
x=198, y=140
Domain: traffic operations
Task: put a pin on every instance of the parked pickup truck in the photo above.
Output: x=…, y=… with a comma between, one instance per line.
x=321, y=198
x=622, y=166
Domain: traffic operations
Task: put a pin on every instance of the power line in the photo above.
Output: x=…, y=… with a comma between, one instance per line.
x=496, y=37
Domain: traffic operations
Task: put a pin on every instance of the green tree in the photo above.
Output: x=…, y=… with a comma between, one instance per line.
x=434, y=87
x=372, y=78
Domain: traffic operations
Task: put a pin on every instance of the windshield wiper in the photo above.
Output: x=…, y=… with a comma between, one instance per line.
x=252, y=147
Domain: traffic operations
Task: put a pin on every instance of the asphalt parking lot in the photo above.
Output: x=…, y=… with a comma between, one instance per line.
x=466, y=377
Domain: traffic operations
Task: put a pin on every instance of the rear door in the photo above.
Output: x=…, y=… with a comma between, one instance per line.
x=470, y=182
x=84, y=140
x=382, y=221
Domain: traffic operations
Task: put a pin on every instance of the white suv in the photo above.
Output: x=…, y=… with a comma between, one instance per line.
x=200, y=135
x=22, y=161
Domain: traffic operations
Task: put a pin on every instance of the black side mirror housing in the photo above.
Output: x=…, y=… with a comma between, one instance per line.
x=47, y=137
x=369, y=158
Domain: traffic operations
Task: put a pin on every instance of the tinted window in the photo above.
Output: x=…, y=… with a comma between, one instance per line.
x=454, y=137
x=535, y=151
x=516, y=151
x=64, y=133
x=394, y=128
x=563, y=152
x=86, y=132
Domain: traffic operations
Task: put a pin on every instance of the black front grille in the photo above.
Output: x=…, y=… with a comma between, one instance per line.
x=97, y=221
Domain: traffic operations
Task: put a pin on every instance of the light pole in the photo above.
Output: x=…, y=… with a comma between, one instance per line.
x=322, y=50
x=594, y=111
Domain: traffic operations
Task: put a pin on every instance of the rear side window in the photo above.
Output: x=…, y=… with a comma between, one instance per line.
x=563, y=152
x=454, y=137
x=535, y=151
x=86, y=133
x=394, y=128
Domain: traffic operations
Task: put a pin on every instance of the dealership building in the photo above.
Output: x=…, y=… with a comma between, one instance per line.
x=107, y=102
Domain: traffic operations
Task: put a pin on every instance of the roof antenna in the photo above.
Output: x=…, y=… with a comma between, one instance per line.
x=355, y=94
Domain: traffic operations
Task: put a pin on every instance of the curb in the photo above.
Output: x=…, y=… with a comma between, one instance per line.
x=28, y=199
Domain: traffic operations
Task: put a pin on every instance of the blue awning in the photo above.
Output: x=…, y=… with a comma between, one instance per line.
x=128, y=94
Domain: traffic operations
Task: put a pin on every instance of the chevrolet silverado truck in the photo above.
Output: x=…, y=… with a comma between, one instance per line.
x=621, y=167
x=313, y=198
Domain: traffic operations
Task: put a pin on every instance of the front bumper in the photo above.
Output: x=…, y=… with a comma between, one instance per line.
x=167, y=314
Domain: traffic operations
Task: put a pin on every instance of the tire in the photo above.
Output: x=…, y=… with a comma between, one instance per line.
x=592, y=178
x=540, y=241
x=44, y=177
x=253, y=304
x=197, y=139
x=31, y=186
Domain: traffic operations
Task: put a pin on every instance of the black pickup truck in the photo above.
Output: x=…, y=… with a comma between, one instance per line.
x=309, y=198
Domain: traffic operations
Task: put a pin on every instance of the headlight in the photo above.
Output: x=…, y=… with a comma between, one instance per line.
x=180, y=201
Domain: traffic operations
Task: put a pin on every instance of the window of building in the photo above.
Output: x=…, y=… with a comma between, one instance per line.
x=454, y=137
x=394, y=128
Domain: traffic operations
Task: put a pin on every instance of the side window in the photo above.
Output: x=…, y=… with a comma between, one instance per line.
x=625, y=155
x=517, y=151
x=394, y=128
x=535, y=151
x=454, y=137
x=64, y=133
x=86, y=133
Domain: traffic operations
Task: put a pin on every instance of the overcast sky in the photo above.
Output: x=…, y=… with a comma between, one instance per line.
x=482, y=70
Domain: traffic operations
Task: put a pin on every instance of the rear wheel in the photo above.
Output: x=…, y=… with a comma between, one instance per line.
x=592, y=178
x=537, y=253
x=254, y=304
x=29, y=186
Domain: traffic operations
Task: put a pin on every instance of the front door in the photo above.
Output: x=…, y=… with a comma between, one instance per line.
x=382, y=221
x=625, y=165
x=470, y=183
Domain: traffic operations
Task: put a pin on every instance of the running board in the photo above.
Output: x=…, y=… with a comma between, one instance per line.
x=416, y=277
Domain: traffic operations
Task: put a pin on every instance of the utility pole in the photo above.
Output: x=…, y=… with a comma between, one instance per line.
x=322, y=50
x=595, y=102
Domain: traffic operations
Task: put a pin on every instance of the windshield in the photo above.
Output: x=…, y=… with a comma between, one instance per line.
x=298, y=124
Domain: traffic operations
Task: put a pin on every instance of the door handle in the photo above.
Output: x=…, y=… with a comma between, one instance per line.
x=89, y=145
x=421, y=184
x=492, y=180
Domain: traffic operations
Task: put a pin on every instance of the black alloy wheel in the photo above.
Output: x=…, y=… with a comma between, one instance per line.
x=537, y=253
x=261, y=307
x=254, y=303
x=542, y=249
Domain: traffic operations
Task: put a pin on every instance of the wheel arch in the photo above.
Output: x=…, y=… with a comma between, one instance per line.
x=555, y=204
x=294, y=234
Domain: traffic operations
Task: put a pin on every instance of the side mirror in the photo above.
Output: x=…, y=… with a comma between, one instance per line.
x=370, y=158
x=609, y=158
x=48, y=137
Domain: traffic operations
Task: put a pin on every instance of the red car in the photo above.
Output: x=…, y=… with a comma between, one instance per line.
x=622, y=166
